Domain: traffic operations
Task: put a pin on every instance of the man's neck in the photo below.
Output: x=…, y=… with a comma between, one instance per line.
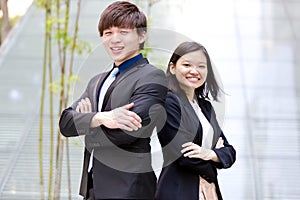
x=128, y=63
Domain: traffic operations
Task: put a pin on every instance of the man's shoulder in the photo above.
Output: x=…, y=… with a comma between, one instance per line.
x=152, y=73
x=148, y=74
x=96, y=78
x=152, y=68
x=98, y=75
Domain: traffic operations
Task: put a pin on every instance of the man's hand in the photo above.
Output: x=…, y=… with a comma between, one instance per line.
x=121, y=118
x=84, y=106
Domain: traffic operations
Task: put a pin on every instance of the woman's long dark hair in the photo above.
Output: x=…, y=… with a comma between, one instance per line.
x=210, y=86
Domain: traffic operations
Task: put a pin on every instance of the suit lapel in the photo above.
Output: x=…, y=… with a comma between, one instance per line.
x=122, y=76
x=96, y=90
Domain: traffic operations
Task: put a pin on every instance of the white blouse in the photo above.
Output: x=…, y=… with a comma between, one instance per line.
x=206, y=127
x=207, y=134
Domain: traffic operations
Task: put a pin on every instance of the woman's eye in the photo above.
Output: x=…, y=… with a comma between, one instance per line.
x=186, y=64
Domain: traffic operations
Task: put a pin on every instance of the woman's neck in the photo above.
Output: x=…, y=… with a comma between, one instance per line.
x=190, y=95
x=189, y=92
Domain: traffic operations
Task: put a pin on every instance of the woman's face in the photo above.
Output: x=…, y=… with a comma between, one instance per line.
x=190, y=71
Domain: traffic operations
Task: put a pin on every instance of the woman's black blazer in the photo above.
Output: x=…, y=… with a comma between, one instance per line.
x=179, y=178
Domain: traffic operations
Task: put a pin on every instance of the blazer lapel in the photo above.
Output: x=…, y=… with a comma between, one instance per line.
x=192, y=117
x=207, y=111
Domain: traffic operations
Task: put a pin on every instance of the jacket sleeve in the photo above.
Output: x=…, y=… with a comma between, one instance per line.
x=149, y=98
x=72, y=123
x=173, y=135
x=226, y=154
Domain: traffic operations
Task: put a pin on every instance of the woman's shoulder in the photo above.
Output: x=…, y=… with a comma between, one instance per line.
x=172, y=101
x=172, y=97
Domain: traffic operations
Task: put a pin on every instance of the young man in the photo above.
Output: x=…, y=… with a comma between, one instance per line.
x=118, y=117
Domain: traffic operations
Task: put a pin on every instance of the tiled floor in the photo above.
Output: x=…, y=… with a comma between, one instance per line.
x=253, y=44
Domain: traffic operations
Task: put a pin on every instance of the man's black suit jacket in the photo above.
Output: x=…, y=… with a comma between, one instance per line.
x=122, y=160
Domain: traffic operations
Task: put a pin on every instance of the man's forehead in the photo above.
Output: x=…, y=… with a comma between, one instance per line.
x=120, y=27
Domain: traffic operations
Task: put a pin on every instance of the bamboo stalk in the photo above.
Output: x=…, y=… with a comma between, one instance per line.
x=51, y=112
x=62, y=43
x=57, y=2
x=57, y=182
x=68, y=91
x=59, y=149
x=41, y=132
x=42, y=106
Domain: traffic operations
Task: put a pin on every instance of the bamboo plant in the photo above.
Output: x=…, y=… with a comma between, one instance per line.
x=57, y=23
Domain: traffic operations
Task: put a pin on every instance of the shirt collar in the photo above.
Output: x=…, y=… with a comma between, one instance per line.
x=125, y=65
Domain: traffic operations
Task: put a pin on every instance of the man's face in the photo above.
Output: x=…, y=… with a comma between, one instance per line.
x=122, y=43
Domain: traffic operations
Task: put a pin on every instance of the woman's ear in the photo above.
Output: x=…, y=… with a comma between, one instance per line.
x=172, y=67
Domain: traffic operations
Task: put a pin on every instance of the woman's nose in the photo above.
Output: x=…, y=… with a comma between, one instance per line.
x=194, y=69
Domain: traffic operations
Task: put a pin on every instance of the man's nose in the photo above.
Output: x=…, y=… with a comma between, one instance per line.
x=116, y=37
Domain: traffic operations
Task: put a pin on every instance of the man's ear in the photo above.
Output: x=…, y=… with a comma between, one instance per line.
x=142, y=37
x=172, y=67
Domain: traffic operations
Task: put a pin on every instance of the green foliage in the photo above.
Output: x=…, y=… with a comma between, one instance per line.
x=145, y=52
x=56, y=26
x=55, y=86
x=40, y=3
x=83, y=46
x=14, y=20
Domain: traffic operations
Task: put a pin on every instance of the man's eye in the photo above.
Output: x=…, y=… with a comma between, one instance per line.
x=124, y=32
x=107, y=33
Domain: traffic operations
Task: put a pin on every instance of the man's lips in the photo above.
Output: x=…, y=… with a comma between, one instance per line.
x=116, y=49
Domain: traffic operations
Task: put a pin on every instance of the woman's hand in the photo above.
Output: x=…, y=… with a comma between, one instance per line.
x=193, y=150
x=220, y=143
x=208, y=190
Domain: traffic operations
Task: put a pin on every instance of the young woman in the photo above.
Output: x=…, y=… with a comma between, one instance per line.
x=193, y=144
